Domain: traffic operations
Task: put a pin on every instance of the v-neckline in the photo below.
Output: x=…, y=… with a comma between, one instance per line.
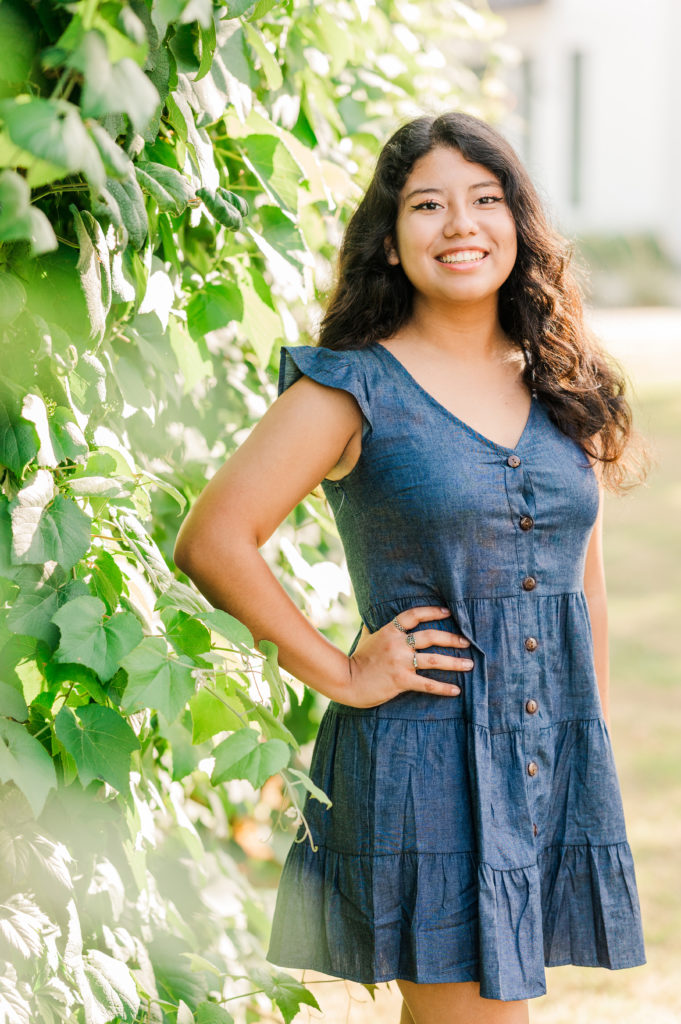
x=443, y=408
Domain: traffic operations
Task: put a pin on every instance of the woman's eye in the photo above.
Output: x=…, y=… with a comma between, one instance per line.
x=429, y=204
x=490, y=200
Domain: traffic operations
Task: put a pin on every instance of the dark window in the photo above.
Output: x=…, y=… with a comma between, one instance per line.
x=576, y=126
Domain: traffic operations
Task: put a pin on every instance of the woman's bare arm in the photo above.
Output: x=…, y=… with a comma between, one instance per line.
x=298, y=441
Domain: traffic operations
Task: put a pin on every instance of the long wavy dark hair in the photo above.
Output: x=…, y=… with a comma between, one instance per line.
x=540, y=305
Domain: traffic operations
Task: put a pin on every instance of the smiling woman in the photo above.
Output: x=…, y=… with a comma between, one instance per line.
x=462, y=424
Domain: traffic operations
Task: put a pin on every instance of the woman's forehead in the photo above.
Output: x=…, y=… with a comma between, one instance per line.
x=443, y=167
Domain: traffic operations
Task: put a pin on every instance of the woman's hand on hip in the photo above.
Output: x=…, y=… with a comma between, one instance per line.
x=382, y=664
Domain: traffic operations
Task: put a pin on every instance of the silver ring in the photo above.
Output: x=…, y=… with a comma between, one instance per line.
x=411, y=639
x=401, y=628
x=416, y=664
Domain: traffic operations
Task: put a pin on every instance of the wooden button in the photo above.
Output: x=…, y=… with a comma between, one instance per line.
x=513, y=461
x=526, y=523
x=535, y=830
x=529, y=583
x=531, y=706
x=531, y=643
x=532, y=768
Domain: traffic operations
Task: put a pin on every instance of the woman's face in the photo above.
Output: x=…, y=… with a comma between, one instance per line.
x=454, y=235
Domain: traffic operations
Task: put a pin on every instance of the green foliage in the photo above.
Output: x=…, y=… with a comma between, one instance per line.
x=168, y=168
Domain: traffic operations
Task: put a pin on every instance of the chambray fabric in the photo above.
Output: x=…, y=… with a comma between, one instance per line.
x=442, y=859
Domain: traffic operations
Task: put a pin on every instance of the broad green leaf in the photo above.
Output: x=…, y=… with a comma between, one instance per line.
x=24, y=761
x=185, y=756
x=282, y=233
x=38, y=599
x=208, y=39
x=270, y=671
x=272, y=727
x=243, y=756
x=116, y=161
x=168, y=187
x=235, y=8
x=68, y=440
x=35, y=411
x=120, y=88
x=268, y=62
x=130, y=203
x=261, y=323
x=23, y=925
x=194, y=365
x=94, y=267
x=229, y=627
x=275, y=168
x=62, y=676
x=213, y=714
x=53, y=131
x=8, y=570
x=215, y=306
x=18, y=43
x=146, y=549
x=19, y=442
x=184, y=11
x=221, y=208
x=184, y=1014
x=131, y=42
x=87, y=640
x=163, y=485
x=107, y=580
x=113, y=988
x=12, y=295
x=185, y=632
x=47, y=528
x=157, y=679
x=288, y=993
x=211, y=1013
x=309, y=785
x=12, y=703
x=19, y=220
x=101, y=487
x=100, y=741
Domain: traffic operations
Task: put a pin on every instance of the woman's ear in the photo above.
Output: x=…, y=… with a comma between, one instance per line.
x=391, y=253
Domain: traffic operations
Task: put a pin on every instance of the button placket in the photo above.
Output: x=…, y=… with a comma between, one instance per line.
x=524, y=535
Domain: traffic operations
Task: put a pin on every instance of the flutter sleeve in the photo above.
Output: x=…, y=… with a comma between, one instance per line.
x=334, y=369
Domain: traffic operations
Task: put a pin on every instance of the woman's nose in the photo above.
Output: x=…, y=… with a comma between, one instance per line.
x=460, y=221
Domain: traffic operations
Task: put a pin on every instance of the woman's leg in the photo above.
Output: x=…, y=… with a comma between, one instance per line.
x=458, y=1003
x=405, y=1016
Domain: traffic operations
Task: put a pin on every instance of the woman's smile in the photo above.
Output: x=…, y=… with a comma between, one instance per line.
x=462, y=259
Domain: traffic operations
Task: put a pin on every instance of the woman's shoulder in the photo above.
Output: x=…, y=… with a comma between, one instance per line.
x=336, y=368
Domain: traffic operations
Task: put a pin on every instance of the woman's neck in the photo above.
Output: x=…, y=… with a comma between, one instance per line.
x=469, y=331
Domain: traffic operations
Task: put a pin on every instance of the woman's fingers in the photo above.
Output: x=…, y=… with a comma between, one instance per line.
x=425, y=685
x=411, y=617
x=439, y=638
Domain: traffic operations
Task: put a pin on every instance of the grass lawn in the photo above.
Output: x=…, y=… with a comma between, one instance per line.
x=643, y=565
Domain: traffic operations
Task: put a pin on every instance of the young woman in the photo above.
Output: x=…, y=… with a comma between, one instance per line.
x=463, y=425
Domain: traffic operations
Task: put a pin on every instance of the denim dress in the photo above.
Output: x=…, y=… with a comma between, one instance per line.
x=479, y=837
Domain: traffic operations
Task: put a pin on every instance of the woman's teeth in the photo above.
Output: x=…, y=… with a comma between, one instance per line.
x=462, y=257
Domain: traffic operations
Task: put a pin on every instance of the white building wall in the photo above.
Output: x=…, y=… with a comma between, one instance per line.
x=630, y=128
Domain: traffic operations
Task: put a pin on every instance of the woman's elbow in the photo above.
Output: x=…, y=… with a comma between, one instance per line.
x=189, y=550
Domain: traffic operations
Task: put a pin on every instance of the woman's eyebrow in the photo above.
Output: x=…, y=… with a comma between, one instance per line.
x=438, y=191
